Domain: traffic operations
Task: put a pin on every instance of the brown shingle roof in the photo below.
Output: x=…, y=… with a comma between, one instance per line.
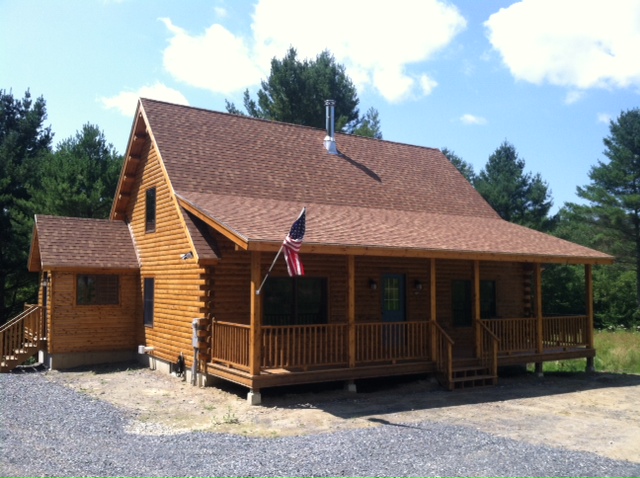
x=71, y=242
x=251, y=177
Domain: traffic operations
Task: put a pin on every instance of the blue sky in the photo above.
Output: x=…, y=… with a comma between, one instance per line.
x=545, y=75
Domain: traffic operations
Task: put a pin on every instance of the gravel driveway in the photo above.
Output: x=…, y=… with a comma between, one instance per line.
x=47, y=429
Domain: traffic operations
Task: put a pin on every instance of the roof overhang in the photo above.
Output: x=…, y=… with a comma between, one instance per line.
x=244, y=241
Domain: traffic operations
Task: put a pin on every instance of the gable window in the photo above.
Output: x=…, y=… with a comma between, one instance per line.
x=462, y=295
x=150, y=210
x=149, y=289
x=97, y=289
x=295, y=301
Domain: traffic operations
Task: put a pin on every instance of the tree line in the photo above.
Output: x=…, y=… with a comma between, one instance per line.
x=607, y=219
x=79, y=175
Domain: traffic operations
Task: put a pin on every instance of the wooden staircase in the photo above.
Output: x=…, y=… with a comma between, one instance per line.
x=21, y=338
x=469, y=373
x=458, y=374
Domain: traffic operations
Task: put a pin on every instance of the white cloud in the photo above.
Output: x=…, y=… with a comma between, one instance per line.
x=216, y=60
x=126, y=101
x=604, y=118
x=574, y=43
x=472, y=119
x=378, y=46
x=573, y=96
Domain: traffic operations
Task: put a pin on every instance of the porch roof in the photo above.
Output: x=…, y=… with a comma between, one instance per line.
x=262, y=224
x=81, y=243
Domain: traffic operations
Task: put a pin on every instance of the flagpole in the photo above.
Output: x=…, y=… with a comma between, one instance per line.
x=269, y=271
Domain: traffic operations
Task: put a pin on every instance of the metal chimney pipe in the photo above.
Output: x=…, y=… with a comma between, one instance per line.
x=329, y=140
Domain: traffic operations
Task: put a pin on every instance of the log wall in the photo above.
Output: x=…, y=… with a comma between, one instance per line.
x=90, y=328
x=179, y=284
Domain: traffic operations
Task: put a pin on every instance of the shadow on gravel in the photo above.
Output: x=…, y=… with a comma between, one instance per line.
x=401, y=394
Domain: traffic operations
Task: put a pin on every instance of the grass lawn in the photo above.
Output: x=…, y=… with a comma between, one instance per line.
x=616, y=351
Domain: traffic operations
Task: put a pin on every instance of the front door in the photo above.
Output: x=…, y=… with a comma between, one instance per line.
x=393, y=310
x=393, y=303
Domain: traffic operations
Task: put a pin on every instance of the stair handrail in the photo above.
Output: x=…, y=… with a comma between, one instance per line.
x=12, y=334
x=443, y=355
x=489, y=358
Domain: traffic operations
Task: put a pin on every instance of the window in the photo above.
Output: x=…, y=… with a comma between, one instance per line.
x=461, y=292
x=150, y=217
x=149, y=286
x=295, y=301
x=97, y=289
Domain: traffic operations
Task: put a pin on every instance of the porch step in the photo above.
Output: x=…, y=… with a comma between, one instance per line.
x=468, y=375
x=18, y=357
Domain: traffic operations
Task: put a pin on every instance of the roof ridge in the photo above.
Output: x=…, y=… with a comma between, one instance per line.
x=284, y=123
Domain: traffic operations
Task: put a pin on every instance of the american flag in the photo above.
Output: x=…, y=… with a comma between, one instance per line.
x=292, y=244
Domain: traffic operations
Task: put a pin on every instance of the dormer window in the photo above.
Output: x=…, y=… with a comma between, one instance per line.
x=150, y=221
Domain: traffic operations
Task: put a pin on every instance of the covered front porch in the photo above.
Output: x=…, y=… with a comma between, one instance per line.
x=257, y=355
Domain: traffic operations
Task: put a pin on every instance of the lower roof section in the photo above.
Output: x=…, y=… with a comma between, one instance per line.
x=262, y=224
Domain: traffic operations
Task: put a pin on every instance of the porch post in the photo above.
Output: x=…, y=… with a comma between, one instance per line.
x=255, y=340
x=539, y=328
x=477, y=316
x=539, y=333
x=588, y=278
x=433, y=317
x=351, y=308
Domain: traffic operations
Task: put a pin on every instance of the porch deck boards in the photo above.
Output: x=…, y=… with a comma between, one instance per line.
x=548, y=354
x=283, y=376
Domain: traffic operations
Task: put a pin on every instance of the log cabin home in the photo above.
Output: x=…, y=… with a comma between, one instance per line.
x=407, y=269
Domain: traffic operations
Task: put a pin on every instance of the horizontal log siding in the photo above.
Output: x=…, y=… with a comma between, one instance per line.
x=509, y=279
x=230, y=293
x=369, y=302
x=509, y=293
x=91, y=328
x=179, y=295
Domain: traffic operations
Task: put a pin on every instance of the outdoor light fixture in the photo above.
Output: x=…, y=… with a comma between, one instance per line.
x=373, y=284
x=188, y=255
x=417, y=285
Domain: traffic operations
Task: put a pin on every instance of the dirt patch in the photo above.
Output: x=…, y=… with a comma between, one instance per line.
x=597, y=413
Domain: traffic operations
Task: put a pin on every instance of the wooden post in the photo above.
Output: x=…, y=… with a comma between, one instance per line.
x=588, y=279
x=539, y=328
x=433, y=318
x=351, y=308
x=476, y=307
x=255, y=340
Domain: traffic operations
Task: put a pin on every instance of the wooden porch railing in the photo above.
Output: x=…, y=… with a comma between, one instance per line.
x=392, y=341
x=516, y=335
x=489, y=349
x=443, y=355
x=303, y=346
x=230, y=344
x=565, y=331
x=520, y=335
x=21, y=333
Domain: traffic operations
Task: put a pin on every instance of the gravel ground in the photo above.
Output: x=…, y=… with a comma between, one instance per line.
x=47, y=429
